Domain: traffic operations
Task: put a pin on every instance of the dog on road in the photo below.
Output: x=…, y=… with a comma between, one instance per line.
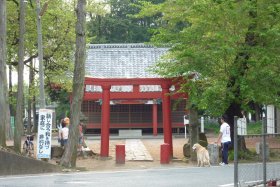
x=202, y=155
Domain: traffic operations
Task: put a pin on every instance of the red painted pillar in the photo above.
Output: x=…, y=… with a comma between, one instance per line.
x=105, y=121
x=164, y=153
x=155, y=123
x=120, y=154
x=166, y=112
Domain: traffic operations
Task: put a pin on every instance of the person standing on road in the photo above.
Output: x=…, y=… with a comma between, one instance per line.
x=225, y=139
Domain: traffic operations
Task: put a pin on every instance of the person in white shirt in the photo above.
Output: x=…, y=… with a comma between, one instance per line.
x=225, y=139
x=64, y=133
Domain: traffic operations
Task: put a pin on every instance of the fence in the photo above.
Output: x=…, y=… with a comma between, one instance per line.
x=255, y=164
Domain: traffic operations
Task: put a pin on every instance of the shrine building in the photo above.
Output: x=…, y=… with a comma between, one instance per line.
x=122, y=93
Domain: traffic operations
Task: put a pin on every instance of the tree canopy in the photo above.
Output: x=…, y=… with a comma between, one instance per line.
x=116, y=23
x=58, y=38
x=229, y=48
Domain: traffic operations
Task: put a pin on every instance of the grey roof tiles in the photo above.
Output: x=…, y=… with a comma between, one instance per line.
x=122, y=60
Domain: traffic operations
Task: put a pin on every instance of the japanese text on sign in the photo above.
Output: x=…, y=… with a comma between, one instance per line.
x=44, y=133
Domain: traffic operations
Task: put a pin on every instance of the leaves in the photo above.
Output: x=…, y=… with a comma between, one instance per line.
x=232, y=45
x=119, y=24
x=58, y=38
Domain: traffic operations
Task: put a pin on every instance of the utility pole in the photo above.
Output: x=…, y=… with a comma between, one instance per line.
x=40, y=54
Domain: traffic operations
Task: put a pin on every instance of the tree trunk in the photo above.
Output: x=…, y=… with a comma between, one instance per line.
x=3, y=76
x=20, y=102
x=35, y=120
x=9, y=129
x=235, y=110
x=257, y=112
x=70, y=154
x=194, y=123
x=40, y=55
x=255, y=116
x=29, y=100
x=241, y=63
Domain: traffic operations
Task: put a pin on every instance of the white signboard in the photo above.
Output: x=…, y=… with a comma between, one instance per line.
x=186, y=120
x=44, y=134
x=270, y=119
x=241, y=126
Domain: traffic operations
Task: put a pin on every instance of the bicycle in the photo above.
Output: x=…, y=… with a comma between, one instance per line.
x=28, y=146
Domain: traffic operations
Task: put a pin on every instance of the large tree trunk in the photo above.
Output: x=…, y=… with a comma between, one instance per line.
x=20, y=102
x=235, y=110
x=9, y=129
x=255, y=116
x=29, y=105
x=70, y=154
x=35, y=120
x=3, y=76
x=241, y=63
x=40, y=56
x=257, y=112
x=194, y=124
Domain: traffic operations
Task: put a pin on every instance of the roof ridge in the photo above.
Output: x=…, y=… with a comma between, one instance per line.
x=121, y=45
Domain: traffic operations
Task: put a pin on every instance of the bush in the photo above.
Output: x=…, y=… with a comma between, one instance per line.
x=242, y=155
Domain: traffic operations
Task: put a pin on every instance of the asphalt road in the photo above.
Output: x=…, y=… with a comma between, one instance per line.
x=176, y=177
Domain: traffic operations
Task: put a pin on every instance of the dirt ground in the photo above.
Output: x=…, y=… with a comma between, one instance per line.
x=152, y=145
x=95, y=163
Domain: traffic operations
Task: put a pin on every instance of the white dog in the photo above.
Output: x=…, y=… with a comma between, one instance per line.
x=202, y=155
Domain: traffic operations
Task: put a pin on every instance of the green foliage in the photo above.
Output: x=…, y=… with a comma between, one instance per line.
x=254, y=128
x=228, y=49
x=58, y=38
x=243, y=155
x=215, y=128
x=60, y=96
x=118, y=25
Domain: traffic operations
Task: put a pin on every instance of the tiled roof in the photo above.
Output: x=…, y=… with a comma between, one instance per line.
x=121, y=60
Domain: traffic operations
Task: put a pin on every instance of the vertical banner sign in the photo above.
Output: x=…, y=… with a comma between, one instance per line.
x=44, y=134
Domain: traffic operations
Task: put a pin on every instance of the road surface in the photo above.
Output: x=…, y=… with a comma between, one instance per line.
x=163, y=177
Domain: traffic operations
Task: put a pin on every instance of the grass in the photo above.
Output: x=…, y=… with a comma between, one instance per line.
x=213, y=128
x=254, y=128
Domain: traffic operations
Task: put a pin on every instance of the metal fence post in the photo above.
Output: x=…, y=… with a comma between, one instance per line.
x=235, y=152
x=264, y=149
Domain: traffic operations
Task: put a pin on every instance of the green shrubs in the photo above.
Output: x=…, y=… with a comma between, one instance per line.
x=243, y=155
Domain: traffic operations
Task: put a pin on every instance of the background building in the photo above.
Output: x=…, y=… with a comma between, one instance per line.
x=136, y=94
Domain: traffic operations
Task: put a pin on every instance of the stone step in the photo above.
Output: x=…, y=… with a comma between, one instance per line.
x=136, y=151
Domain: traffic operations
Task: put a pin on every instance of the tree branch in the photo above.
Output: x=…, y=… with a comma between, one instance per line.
x=15, y=63
x=15, y=1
